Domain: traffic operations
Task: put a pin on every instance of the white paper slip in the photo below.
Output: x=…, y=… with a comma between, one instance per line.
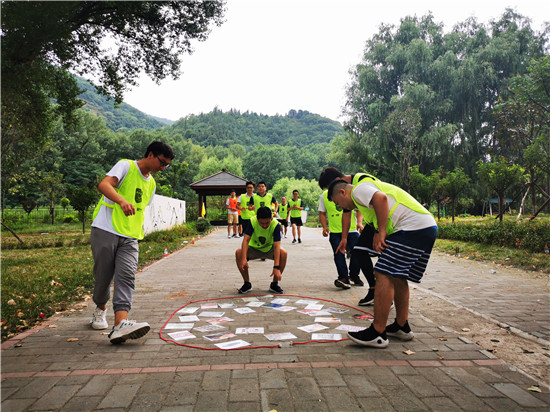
x=209, y=305
x=250, y=299
x=320, y=313
x=336, y=310
x=210, y=328
x=184, y=334
x=220, y=320
x=326, y=336
x=306, y=301
x=255, y=304
x=212, y=314
x=312, y=328
x=232, y=344
x=284, y=308
x=227, y=305
x=246, y=331
x=179, y=326
x=189, y=318
x=315, y=306
x=280, y=301
x=188, y=310
x=350, y=328
x=280, y=336
x=327, y=320
x=242, y=311
x=219, y=336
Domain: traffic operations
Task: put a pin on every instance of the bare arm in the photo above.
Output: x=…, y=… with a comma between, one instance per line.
x=381, y=207
x=323, y=220
x=107, y=188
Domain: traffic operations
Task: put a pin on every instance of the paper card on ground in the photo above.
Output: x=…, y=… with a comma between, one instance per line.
x=250, y=299
x=220, y=320
x=184, y=334
x=350, y=328
x=212, y=314
x=232, y=344
x=209, y=306
x=227, y=305
x=273, y=305
x=284, y=308
x=280, y=336
x=188, y=310
x=219, y=336
x=363, y=316
x=314, y=306
x=178, y=326
x=327, y=320
x=189, y=318
x=280, y=301
x=306, y=301
x=336, y=310
x=312, y=328
x=210, y=328
x=246, y=331
x=242, y=311
x=326, y=336
x=308, y=311
x=255, y=304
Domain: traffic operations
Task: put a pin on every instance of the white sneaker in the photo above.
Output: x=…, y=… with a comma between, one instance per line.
x=128, y=329
x=99, y=319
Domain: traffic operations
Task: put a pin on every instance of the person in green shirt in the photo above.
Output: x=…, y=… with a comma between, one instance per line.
x=262, y=240
x=283, y=215
x=243, y=203
x=296, y=206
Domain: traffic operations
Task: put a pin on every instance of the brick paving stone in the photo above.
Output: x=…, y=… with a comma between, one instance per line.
x=420, y=386
x=521, y=396
x=82, y=404
x=377, y=404
x=209, y=401
x=276, y=399
x=119, y=396
x=328, y=377
x=36, y=387
x=361, y=385
x=243, y=406
x=340, y=399
x=246, y=390
x=181, y=393
x=17, y=405
x=213, y=380
x=304, y=388
x=55, y=398
x=402, y=398
x=147, y=402
x=272, y=379
x=440, y=404
x=472, y=383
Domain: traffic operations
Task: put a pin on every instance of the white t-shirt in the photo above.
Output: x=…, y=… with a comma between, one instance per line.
x=322, y=208
x=403, y=218
x=104, y=218
x=229, y=211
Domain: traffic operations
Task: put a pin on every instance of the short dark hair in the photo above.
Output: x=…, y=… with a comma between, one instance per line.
x=261, y=182
x=250, y=182
x=333, y=185
x=295, y=191
x=160, y=148
x=328, y=175
x=264, y=213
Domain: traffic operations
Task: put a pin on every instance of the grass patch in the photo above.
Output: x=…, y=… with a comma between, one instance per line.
x=51, y=271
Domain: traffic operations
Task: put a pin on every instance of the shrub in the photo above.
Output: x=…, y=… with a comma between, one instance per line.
x=202, y=225
x=69, y=219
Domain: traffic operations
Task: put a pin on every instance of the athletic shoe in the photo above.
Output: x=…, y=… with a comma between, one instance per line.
x=229, y=236
x=285, y=236
x=299, y=240
x=369, y=337
x=367, y=300
x=356, y=281
x=245, y=288
x=235, y=236
x=401, y=332
x=99, y=319
x=275, y=288
x=128, y=329
x=293, y=240
x=342, y=283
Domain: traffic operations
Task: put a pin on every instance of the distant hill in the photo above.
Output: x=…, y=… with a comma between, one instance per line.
x=122, y=117
x=296, y=128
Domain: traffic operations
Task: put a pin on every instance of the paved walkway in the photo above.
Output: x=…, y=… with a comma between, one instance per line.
x=65, y=365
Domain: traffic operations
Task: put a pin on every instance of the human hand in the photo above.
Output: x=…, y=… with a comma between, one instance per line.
x=342, y=247
x=325, y=232
x=276, y=274
x=244, y=264
x=379, y=241
x=127, y=208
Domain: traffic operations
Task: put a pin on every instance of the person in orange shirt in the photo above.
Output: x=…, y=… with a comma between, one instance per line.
x=232, y=215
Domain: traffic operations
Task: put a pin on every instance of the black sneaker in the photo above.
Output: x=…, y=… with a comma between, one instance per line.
x=369, y=337
x=299, y=240
x=294, y=241
x=401, y=332
x=356, y=281
x=367, y=300
x=342, y=283
x=275, y=288
x=245, y=288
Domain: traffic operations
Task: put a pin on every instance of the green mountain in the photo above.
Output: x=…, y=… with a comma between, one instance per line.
x=122, y=116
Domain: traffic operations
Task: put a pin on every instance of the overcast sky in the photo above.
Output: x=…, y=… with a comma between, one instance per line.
x=271, y=56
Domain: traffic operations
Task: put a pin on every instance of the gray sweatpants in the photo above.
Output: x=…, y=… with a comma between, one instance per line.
x=115, y=259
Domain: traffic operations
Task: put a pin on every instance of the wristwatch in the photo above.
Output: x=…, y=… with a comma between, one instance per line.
x=277, y=267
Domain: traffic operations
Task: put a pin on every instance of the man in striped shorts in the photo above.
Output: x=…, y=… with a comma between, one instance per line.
x=404, y=238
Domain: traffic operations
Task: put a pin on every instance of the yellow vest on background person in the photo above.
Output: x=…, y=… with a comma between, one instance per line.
x=245, y=213
x=334, y=215
x=295, y=212
x=136, y=190
x=283, y=211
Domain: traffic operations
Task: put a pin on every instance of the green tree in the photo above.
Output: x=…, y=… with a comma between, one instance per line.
x=499, y=176
x=52, y=187
x=81, y=199
x=454, y=186
x=268, y=163
x=309, y=190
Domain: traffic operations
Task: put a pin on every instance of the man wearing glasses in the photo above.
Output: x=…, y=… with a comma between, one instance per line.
x=116, y=228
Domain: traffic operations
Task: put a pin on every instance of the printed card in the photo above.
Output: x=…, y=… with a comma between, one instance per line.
x=312, y=328
x=227, y=305
x=220, y=320
x=350, y=328
x=233, y=344
x=336, y=310
x=314, y=306
x=273, y=305
x=284, y=308
x=187, y=310
x=212, y=314
x=210, y=328
x=256, y=304
x=250, y=299
x=280, y=301
x=189, y=318
x=246, y=331
x=242, y=311
x=305, y=301
x=182, y=335
x=209, y=306
x=169, y=326
x=327, y=320
x=326, y=336
x=280, y=336
x=219, y=336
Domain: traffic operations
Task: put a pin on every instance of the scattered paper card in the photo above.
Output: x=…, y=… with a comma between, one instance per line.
x=273, y=305
x=327, y=320
x=184, y=334
x=227, y=305
x=246, y=331
x=189, y=318
x=284, y=308
x=336, y=310
x=233, y=344
x=188, y=310
x=219, y=336
x=220, y=320
x=312, y=328
x=326, y=336
x=209, y=306
x=210, y=328
x=212, y=314
x=280, y=336
x=179, y=326
x=306, y=301
x=314, y=306
x=250, y=299
x=350, y=328
x=255, y=304
x=365, y=316
x=243, y=311
x=280, y=301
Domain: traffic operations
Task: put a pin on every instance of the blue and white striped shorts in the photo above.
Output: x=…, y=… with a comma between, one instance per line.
x=407, y=254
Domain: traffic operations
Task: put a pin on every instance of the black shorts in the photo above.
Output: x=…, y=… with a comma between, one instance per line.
x=283, y=222
x=296, y=221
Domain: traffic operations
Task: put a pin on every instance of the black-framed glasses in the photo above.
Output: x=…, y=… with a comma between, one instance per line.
x=163, y=163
